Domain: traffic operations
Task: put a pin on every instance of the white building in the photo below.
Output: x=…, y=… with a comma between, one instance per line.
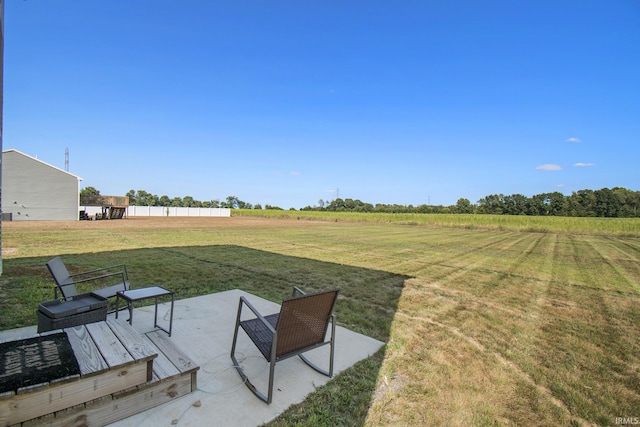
x=34, y=190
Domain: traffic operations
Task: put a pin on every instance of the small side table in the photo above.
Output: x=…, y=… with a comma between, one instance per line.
x=133, y=295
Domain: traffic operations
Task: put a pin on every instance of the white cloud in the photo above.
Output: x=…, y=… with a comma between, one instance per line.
x=549, y=167
x=574, y=139
x=584, y=165
x=294, y=173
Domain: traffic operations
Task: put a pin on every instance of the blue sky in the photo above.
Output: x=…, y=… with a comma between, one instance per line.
x=286, y=102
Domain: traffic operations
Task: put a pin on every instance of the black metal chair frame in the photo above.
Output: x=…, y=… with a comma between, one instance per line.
x=66, y=283
x=269, y=349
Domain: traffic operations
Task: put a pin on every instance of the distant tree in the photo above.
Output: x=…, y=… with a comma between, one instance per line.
x=243, y=205
x=187, y=202
x=491, y=204
x=538, y=205
x=424, y=209
x=464, y=206
x=133, y=200
x=364, y=207
x=557, y=204
x=629, y=202
x=350, y=205
x=633, y=204
x=516, y=204
x=581, y=203
x=232, y=202
x=607, y=204
x=336, y=205
x=89, y=196
x=144, y=198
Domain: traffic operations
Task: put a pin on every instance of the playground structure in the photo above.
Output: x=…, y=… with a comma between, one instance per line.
x=113, y=212
x=105, y=207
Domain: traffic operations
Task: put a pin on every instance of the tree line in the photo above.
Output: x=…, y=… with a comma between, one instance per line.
x=143, y=198
x=616, y=202
x=90, y=196
x=608, y=203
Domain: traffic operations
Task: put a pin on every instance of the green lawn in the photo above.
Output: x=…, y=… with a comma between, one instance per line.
x=503, y=323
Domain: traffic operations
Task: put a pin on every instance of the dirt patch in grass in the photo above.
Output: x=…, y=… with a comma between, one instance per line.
x=144, y=222
x=150, y=222
x=9, y=251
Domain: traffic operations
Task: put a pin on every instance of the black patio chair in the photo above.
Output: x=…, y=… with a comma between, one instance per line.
x=300, y=326
x=115, y=276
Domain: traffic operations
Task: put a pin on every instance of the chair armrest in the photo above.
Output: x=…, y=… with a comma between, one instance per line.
x=244, y=301
x=89, y=279
x=298, y=290
x=122, y=270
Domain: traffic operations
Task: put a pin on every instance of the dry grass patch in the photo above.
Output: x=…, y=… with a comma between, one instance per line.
x=436, y=374
x=442, y=378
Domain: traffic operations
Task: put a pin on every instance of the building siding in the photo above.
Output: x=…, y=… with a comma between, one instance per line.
x=33, y=190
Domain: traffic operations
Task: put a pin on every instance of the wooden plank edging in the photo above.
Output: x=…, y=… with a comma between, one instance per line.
x=114, y=353
x=87, y=354
x=138, y=346
x=134, y=342
x=173, y=353
x=177, y=357
x=118, y=407
x=24, y=407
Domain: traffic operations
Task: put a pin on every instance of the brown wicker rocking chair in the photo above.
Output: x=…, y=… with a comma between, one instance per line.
x=300, y=326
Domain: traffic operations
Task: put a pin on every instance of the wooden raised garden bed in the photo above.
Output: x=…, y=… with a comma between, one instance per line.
x=121, y=374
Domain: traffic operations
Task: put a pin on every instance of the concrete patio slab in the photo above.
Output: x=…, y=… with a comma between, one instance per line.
x=203, y=330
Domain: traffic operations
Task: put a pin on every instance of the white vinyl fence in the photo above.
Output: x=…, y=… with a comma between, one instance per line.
x=163, y=211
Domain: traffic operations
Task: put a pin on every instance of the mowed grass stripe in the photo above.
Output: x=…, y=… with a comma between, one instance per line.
x=627, y=271
x=479, y=324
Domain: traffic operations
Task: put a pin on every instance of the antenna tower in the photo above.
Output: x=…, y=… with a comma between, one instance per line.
x=66, y=159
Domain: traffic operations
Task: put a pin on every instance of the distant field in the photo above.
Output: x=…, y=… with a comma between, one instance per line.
x=600, y=226
x=489, y=320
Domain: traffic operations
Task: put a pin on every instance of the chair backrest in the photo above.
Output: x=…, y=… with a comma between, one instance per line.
x=303, y=320
x=62, y=277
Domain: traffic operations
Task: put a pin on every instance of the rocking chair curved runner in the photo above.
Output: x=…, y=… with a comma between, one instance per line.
x=300, y=326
